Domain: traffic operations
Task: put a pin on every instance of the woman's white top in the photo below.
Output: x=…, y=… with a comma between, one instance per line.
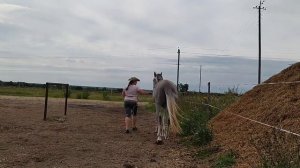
x=131, y=93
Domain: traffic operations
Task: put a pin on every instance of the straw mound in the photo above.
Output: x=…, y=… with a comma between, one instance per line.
x=274, y=104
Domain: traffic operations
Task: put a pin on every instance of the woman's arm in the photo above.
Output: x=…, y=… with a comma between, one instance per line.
x=123, y=93
x=141, y=91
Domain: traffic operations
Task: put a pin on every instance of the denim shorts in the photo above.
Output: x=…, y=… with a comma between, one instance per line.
x=130, y=108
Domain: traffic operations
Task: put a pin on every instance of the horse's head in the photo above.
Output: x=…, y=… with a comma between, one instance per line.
x=157, y=77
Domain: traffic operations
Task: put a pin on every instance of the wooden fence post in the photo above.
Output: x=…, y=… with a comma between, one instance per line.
x=209, y=101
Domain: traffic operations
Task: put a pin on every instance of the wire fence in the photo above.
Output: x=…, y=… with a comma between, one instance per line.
x=207, y=103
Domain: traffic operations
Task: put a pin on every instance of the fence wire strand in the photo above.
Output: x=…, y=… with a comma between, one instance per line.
x=252, y=120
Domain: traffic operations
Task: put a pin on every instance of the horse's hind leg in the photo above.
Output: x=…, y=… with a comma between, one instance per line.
x=157, y=108
x=166, y=124
x=159, y=131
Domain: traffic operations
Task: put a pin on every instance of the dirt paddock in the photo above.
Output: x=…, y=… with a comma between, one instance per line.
x=91, y=135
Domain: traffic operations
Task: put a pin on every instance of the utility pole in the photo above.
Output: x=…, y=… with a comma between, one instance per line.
x=178, y=52
x=259, y=7
x=200, y=79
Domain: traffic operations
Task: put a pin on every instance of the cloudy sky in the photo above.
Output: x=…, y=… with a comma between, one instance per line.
x=104, y=42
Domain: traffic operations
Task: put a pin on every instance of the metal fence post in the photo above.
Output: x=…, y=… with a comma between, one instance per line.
x=46, y=102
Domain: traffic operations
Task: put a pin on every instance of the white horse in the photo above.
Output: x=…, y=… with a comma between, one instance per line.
x=165, y=96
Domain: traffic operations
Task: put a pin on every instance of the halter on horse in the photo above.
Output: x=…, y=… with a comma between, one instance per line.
x=165, y=95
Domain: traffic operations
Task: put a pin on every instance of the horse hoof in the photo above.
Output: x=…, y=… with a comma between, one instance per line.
x=159, y=142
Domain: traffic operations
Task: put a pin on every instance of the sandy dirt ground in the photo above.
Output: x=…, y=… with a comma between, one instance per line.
x=90, y=135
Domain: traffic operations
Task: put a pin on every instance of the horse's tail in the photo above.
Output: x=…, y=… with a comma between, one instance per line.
x=173, y=111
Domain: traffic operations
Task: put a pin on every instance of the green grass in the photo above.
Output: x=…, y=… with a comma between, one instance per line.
x=226, y=160
x=195, y=130
x=196, y=115
x=19, y=91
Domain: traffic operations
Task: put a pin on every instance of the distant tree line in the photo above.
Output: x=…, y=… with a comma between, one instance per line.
x=20, y=84
x=72, y=87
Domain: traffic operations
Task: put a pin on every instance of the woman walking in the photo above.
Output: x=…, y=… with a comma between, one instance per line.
x=130, y=94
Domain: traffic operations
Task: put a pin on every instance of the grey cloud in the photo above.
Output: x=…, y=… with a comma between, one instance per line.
x=223, y=72
x=115, y=39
